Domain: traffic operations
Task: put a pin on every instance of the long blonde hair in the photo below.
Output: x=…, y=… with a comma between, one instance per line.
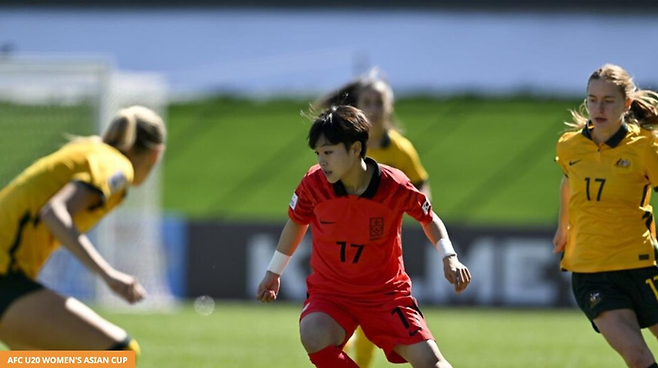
x=644, y=103
x=135, y=127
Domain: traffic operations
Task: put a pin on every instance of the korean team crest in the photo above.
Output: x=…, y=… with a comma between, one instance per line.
x=376, y=227
x=426, y=206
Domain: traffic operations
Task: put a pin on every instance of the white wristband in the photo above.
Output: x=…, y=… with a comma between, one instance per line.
x=444, y=246
x=278, y=263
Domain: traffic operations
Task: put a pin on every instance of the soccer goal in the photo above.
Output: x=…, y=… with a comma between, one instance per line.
x=43, y=99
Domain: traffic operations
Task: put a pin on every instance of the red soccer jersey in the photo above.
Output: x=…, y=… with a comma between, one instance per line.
x=357, y=250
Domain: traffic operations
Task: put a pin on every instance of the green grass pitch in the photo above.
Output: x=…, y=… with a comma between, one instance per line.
x=250, y=334
x=490, y=160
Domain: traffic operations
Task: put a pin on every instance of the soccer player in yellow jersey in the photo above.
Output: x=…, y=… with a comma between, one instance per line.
x=606, y=227
x=54, y=202
x=374, y=96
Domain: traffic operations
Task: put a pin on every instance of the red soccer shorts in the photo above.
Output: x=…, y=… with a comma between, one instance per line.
x=396, y=321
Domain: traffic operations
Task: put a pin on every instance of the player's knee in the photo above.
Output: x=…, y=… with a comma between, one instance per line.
x=430, y=363
x=315, y=338
x=318, y=330
x=128, y=344
x=636, y=357
x=632, y=354
x=420, y=356
x=313, y=341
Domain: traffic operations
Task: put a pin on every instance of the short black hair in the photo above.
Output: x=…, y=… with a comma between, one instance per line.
x=341, y=124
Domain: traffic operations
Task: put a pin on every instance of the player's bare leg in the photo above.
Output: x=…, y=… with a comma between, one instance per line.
x=622, y=331
x=423, y=354
x=319, y=330
x=321, y=337
x=45, y=320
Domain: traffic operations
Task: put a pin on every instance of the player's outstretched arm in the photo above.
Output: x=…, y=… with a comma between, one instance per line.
x=57, y=214
x=291, y=235
x=454, y=271
x=560, y=238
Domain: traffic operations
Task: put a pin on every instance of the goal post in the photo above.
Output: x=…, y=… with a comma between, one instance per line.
x=41, y=100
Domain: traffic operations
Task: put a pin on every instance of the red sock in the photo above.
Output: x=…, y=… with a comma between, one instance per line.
x=332, y=357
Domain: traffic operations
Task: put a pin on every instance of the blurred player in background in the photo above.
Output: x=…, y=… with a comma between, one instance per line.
x=374, y=96
x=606, y=227
x=55, y=201
x=355, y=208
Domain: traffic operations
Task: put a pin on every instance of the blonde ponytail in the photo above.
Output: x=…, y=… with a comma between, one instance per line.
x=644, y=109
x=122, y=131
x=135, y=127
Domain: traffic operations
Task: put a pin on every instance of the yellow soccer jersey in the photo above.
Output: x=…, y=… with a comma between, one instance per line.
x=25, y=242
x=398, y=152
x=611, y=220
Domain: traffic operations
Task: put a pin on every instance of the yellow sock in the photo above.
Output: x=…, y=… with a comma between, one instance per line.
x=128, y=344
x=365, y=350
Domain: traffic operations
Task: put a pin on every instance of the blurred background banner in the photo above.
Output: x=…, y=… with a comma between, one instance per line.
x=510, y=267
x=481, y=92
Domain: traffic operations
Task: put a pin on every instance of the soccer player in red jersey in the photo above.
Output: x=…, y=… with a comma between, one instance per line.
x=355, y=207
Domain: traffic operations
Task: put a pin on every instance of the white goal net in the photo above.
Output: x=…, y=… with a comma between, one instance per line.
x=43, y=99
